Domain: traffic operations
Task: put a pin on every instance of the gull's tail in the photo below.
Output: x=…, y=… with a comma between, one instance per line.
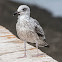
x=47, y=46
x=43, y=44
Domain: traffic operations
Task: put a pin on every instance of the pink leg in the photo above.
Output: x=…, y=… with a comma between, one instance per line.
x=37, y=50
x=24, y=50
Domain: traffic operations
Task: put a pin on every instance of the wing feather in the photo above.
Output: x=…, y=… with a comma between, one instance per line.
x=39, y=30
x=40, y=33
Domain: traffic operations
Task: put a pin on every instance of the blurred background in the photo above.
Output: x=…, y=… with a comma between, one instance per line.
x=49, y=15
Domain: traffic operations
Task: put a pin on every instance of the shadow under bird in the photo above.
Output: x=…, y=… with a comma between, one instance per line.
x=29, y=29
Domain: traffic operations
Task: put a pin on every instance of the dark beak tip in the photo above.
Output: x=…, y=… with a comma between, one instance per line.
x=15, y=13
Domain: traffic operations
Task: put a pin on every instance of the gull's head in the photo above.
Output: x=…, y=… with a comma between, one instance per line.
x=23, y=10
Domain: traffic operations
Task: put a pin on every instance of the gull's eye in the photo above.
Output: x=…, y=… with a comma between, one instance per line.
x=24, y=9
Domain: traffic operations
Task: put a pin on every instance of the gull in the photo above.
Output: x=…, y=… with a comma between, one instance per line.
x=29, y=29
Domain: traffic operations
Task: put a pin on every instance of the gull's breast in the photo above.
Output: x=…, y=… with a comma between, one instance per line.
x=26, y=32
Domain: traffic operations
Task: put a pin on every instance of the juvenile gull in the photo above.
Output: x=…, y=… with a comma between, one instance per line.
x=29, y=29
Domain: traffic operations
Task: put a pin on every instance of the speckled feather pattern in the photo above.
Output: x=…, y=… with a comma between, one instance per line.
x=26, y=30
x=29, y=29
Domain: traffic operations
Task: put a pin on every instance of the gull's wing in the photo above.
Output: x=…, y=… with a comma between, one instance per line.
x=39, y=30
x=40, y=33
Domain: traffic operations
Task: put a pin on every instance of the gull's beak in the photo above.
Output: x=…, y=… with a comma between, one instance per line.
x=16, y=13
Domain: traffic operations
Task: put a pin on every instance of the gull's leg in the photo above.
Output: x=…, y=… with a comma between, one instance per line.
x=37, y=50
x=37, y=47
x=24, y=50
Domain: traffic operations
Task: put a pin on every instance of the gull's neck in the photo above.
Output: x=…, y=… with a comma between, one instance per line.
x=24, y=16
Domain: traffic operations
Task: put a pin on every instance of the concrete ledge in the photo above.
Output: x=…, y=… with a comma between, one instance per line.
x=11, y=48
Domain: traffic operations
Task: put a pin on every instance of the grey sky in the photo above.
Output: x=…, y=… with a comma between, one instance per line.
x=54, y=6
